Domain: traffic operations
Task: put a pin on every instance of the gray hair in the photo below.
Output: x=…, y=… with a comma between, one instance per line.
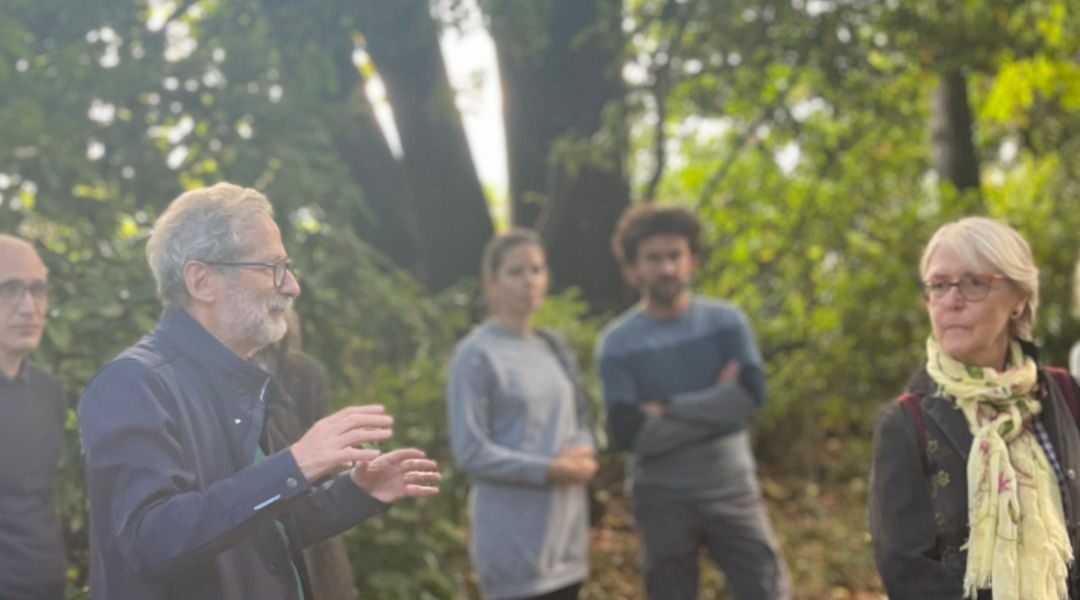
x=205, y=224
x=993, y=245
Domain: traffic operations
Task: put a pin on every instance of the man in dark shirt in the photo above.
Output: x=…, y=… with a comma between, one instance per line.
x=189, y=495
x=32, y=412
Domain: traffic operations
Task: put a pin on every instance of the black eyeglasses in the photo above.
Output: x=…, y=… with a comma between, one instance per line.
x=972, y=287
x=278, y=268
x=12, y=290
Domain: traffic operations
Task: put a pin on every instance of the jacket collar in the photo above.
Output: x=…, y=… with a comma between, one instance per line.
x=1031, y=350
x=948, y=417
x=223, y=368
x=940, y=411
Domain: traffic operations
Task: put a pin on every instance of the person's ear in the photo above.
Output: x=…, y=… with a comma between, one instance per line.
x=1019, y=308
x=630, y=275
x=202, y=282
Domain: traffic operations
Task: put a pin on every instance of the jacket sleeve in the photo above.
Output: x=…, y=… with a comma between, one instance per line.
x=144, y=491
x=902, y=522
x=725, y=406
x=332, y=507
x=469, y=403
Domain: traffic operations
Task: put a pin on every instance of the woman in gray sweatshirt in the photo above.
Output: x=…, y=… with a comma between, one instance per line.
x=519, y=427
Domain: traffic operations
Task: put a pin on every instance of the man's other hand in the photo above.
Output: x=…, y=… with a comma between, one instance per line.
x=404, y=473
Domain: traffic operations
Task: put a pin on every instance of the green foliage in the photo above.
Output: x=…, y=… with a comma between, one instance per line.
x=796, y=130
x=800, y=135
x=802, y=142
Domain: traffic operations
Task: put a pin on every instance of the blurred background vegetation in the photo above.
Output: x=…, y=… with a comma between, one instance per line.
x=821, y=141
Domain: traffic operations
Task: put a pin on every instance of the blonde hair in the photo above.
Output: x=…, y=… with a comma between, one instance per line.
x=205, y=224
x=993, y=245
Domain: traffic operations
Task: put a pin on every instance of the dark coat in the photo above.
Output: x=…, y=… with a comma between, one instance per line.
x=179, y=508
x=305, y=402
x=919, y=523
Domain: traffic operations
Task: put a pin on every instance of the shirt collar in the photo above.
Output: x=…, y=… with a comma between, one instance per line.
x=21, y=376
x=222, y=366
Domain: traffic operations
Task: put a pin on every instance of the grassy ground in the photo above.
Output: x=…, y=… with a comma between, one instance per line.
x=815, y=498
x=822, y=529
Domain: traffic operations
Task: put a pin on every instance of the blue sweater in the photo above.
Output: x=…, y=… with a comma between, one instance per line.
x=700, y=445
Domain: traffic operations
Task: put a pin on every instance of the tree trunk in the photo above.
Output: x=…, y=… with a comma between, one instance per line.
x=390, y=224
x=952, y=133
x=560, y=62
x=385, y=221
x=448, y=203
x=579, y=217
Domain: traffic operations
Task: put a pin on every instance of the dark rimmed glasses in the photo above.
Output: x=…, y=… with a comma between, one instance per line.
x=278, y=268
x=972, y=287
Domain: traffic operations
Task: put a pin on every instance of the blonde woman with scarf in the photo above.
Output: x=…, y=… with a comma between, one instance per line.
x=974, y=491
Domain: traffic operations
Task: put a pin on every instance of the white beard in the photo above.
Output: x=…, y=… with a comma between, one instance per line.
x=249, y=322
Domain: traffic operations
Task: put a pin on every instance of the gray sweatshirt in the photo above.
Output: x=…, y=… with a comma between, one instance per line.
x=512, y=408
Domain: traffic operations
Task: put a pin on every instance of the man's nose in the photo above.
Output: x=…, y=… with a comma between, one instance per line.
x=290, y=286
x=25, y=303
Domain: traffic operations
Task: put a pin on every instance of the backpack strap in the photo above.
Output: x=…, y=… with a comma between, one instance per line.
x=563, y=357
x=1066, y=385
x=911, y=405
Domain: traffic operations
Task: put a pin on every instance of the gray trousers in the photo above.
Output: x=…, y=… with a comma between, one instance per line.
x=734, y=530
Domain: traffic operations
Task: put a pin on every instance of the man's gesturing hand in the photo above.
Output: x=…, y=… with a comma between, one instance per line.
x=330, y=443
x=398, y=474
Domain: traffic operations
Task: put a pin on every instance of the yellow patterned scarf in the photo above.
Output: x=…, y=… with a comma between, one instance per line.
x=1018, y=544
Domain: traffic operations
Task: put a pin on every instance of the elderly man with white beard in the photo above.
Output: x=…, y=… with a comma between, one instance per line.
x=188, y=496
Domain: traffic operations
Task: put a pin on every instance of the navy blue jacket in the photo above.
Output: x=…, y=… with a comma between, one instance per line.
x=178, y=507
